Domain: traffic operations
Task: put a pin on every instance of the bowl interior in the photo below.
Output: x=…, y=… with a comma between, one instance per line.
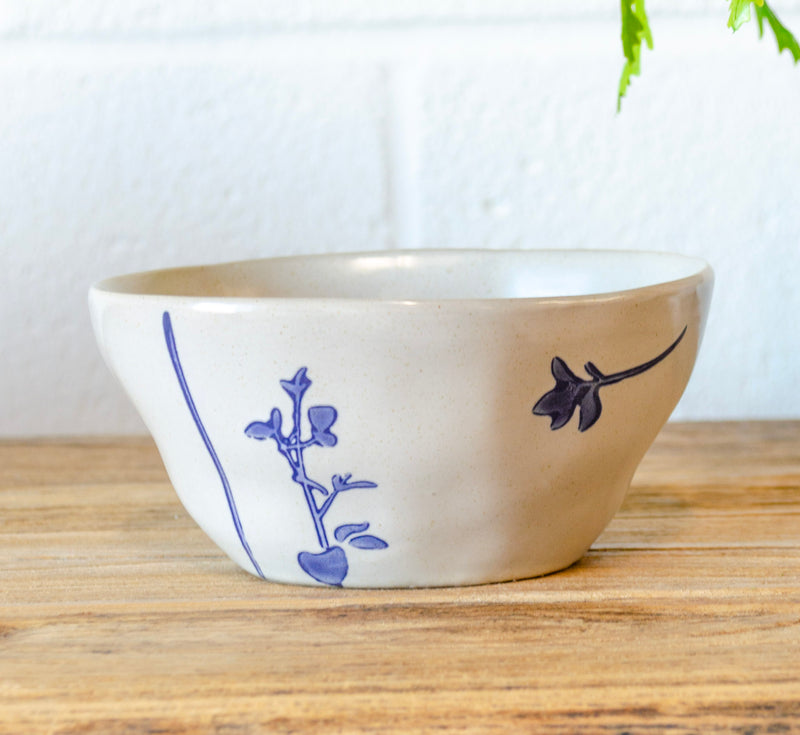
x=419, y=275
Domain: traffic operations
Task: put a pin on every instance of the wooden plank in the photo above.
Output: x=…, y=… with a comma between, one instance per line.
x=327, y=658
x=205, y=578
x=118, y=615
x=54, y=462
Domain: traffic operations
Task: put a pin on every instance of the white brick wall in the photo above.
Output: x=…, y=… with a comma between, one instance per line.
x=144, y=134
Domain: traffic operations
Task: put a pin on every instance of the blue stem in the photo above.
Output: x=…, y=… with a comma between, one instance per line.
x=300, y=470
x=176, y=364
x=327, y=504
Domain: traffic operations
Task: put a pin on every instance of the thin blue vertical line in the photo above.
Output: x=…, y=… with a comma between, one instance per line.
x=176, y=363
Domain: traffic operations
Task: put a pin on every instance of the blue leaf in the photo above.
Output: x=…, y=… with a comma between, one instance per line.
x=321, y=419
x=342, y=483
x=368, y=542
x=348, y=529
x=358, y=484
x=328, y=567
x=265, y=429
x=324, y=438
x=297, y=385
x=260, y=430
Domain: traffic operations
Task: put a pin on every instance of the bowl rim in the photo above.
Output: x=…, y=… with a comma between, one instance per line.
x=114, y=287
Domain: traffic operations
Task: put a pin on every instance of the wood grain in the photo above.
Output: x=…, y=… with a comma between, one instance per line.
x=117, y=615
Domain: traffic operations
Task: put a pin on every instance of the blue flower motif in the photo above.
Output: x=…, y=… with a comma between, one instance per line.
x=573, y=393
x=570, y=393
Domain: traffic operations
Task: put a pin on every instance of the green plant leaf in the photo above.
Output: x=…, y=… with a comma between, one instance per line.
x=740, y=13
x=635, y=29
x=783, y=36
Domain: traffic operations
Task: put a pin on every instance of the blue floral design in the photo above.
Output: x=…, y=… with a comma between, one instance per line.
x=330, y=565
x=572, y=392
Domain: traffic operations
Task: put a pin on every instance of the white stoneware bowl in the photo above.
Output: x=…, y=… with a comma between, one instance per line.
x=402, y=419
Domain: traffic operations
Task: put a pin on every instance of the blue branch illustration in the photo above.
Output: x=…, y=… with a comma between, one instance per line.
x=572, y=392
x=330, y=565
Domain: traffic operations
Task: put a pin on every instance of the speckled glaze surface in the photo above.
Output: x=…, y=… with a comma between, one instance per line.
x=400, y=419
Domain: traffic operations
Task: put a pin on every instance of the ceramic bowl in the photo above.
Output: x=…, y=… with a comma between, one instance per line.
x=401, y=419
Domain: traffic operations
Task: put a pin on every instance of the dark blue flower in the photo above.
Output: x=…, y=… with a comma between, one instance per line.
x=570, y=393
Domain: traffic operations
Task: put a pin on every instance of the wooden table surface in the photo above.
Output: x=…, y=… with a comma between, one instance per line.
x=117, y=615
